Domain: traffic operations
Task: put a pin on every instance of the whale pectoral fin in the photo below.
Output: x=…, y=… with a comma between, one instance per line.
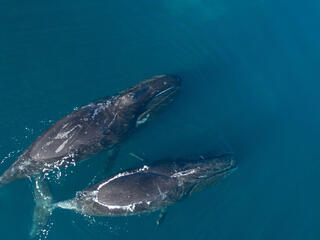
x=162, y=216
x=112, y=154
x=137, y=157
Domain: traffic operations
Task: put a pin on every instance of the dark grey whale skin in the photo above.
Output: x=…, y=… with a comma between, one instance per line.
x=150, y=188
x=94, y=127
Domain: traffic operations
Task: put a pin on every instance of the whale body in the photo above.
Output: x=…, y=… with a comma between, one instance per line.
x=150, y=188
x=97, y=126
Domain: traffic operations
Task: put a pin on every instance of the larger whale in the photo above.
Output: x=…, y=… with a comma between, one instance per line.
x=146, y=189
x=98, y=126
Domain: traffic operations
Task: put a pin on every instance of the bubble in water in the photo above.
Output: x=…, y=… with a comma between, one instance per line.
x=10, y=155
x=44, y=233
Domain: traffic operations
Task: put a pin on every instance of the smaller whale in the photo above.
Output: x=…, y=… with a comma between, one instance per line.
x=147, y=189
x=97, y=126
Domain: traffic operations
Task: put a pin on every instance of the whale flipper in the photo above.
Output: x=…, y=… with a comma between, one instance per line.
x=43, y=206
x=137, y=157
x=162, y=216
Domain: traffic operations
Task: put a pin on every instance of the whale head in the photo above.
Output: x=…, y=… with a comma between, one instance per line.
x=205, y=171
x=148, y=96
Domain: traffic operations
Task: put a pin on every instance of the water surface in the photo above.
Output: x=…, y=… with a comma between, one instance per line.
x=250, y=85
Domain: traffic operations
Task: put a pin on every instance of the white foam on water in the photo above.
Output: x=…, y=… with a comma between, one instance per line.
x=10, y=155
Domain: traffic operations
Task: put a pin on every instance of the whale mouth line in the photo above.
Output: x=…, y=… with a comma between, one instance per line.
x=230, y=169
x=164, y=91
x=167, y=94
x=156, y=102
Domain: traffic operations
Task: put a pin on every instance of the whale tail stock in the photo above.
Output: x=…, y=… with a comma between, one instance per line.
x=43, y=206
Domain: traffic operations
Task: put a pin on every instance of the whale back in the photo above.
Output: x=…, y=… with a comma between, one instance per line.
x=136, y=189
x=75, y=133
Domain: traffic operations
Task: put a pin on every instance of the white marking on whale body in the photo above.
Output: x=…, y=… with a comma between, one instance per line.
x=159, y=76
x=145, y=167
x=48, y=143
x=100, y=107
x=64, y=135
x=112, y=121
x=21, y=167
x=143, y=120
x=183, y=173
x=130, y=207
x=59, y=149
x=96, y=112
x=162, y=194
x=164, y=91
x=69, y=204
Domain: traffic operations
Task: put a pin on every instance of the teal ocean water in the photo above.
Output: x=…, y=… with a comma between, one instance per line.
x=250, y=85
